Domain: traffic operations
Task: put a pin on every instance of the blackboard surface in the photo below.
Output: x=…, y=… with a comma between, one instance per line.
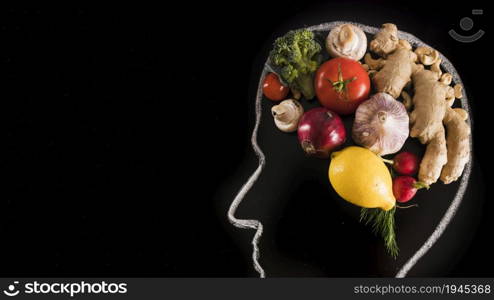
x=309, y=230
x=125, y=133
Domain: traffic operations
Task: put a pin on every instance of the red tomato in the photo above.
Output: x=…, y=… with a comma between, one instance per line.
x=341, y=84
x=273, y=89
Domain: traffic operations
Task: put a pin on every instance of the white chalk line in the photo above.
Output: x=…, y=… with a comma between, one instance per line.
x=252, y=223
x=445, y=220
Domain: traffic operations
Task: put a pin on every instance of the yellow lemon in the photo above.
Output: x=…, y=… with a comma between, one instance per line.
x=360, y=177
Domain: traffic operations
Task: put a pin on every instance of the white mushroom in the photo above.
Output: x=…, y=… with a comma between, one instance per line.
x=427, y=56
x=287, y=115
x=347, y=41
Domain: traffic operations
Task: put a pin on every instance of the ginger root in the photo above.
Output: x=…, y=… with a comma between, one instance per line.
x=407, y=100
x=395, y=73
x=386, y=40
x=427, y=56
x=429, y=105
x=397, y=66
x=434, y=159
x=445, y=157
x=446, y=78
x=458, y=144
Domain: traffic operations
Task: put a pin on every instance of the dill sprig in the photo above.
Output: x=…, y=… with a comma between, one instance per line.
x=383, y=224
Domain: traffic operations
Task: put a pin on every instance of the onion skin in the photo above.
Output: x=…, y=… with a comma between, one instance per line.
x=320, y=131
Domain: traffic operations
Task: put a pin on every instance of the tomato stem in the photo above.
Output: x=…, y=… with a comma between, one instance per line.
x=341, y=85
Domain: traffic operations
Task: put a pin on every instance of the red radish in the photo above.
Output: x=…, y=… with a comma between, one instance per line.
x=405, y=163
x=320, y=131
x=405, y=187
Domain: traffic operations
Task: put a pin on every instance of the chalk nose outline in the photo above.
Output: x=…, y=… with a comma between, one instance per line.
x=11, y=288
x=466, y=39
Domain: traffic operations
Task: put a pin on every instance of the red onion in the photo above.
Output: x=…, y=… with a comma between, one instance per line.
x=320, y=131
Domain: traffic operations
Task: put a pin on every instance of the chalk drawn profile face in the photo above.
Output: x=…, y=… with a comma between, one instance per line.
x=252, y=223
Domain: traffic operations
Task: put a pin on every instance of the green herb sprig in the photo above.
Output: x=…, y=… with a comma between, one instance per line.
x=383, y=224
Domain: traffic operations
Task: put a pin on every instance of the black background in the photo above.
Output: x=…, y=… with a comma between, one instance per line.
x=119, y=125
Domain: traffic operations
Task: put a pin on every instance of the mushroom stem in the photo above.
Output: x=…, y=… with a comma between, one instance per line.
x=280, y=113
x=287, y=115
x=346, y=37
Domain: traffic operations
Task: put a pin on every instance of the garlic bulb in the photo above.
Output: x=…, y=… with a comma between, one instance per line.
x=287, y=114
x=347, y=41
x=381, y=124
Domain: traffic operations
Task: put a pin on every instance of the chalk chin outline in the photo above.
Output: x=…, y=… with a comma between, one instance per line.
x=445, y=220
x=466, y=38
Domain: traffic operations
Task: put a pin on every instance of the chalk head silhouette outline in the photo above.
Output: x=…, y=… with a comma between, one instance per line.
x=255, y=224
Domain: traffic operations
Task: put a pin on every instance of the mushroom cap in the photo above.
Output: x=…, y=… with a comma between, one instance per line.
x=287, y=114
x=348, y=41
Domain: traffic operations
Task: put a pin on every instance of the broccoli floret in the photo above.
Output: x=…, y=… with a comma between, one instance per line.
x=295, y=55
